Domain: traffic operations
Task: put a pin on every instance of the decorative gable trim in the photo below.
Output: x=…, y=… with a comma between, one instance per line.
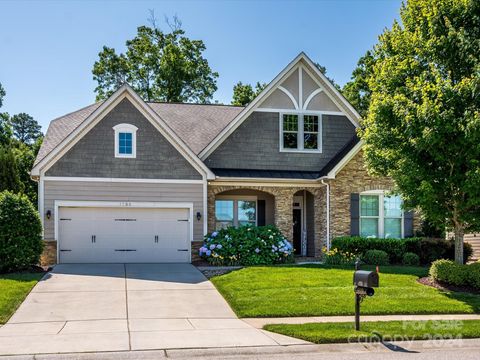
x=295, y=65
x=124, y=92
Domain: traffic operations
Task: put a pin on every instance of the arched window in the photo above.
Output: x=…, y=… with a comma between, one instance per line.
x=125, y=141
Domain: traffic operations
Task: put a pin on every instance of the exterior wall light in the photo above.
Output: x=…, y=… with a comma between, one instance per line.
x=49, y=214
x=199, y=216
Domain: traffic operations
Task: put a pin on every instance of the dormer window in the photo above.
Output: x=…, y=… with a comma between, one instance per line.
x=300, y=133
x=125, y=141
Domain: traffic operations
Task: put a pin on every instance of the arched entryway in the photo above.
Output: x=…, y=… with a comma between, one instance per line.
x=303, y=214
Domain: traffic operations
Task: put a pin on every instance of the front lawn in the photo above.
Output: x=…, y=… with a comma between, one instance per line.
x=323, y=333
x=13, y=290
x=316, y=290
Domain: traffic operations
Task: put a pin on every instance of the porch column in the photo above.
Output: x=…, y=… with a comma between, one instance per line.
x=320, y=205
x=284, y=212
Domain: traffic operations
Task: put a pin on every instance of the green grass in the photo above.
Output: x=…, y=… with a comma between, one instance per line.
x=13, y=290
x=323, y=333
x=316, y=290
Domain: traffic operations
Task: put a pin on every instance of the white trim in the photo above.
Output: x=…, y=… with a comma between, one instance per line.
x=289, y=94
x=205, y=207
x=294, y=111
x=41, y=206
x=124, y=92
x=300, y=133
x=311, y=96
x=343, y=101
x=233, y=125
x=300, y=87
x=123, y=180
x=341, y=164
x=129, y=129
x=123, y=204
x=265, y=182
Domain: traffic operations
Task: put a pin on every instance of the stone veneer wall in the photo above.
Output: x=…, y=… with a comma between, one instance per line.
x=49, y=255
x=283, y=208
x=196, y=245
x=353, y=178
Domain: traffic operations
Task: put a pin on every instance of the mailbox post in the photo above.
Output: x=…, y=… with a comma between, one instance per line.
x=364, y=282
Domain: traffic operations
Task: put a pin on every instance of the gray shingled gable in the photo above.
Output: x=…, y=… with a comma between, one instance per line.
x=195, y=124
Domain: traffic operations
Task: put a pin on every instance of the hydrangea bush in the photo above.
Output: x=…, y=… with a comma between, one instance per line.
x=246, y=245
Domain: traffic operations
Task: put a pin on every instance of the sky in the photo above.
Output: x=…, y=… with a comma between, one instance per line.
x=48, y=48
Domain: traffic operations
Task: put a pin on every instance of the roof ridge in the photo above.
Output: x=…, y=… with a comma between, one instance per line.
x=182, y=103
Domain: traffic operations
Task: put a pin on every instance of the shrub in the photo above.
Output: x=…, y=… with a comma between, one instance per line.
x=395, y=248
x=20, y=233
x=431, y=249
x=411, y=259
x=428, y=249
x=474, y=275
x=376, y=257
x=449, y=272
x=336, y=257
x=246, y=245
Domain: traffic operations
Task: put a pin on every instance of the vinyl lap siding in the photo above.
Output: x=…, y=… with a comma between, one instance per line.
x=474, y=240
x=104, y=191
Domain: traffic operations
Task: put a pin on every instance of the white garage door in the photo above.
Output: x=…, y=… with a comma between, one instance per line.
x=123, y=235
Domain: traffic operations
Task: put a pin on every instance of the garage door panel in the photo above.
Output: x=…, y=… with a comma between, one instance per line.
x=115, y=235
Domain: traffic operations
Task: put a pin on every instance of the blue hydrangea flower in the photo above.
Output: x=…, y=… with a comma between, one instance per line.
x=212, y=246
x=219, y=246
x=257, y=250
x=214, y=234
x=208, y=253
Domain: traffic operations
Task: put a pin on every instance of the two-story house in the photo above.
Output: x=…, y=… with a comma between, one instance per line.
x=126, y=180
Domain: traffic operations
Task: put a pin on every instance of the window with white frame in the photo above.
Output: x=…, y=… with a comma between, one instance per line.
x=235, y=211
x=125, y=141
x=300, y=132
x=381, y=215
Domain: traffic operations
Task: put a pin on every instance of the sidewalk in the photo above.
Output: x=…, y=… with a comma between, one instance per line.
x=261, y=322
x=466, y=349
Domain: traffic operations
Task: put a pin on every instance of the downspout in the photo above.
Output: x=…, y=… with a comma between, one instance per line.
x=328, y=212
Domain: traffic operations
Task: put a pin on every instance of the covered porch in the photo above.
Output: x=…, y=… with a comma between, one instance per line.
x=298, y=211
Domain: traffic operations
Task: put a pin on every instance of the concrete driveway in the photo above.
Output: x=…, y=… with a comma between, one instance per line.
x=121, y=307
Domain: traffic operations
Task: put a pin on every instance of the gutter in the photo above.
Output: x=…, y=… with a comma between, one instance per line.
x=328, y=212
x=220, y=179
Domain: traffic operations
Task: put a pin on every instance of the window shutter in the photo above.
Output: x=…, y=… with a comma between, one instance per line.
x=354, y=214
x=408, y=224
x=261, y=212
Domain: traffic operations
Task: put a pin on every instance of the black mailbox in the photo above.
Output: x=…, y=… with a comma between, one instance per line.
x=366, y=279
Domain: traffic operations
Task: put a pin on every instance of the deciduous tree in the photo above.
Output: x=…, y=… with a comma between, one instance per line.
x=243, y=94
x=423, y=122
x=160, y=66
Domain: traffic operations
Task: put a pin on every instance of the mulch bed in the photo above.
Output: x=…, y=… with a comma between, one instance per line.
x=446, y=287
x=211, y=271
x=31, y=269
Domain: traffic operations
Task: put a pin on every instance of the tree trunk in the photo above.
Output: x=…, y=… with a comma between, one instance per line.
x=458, y=235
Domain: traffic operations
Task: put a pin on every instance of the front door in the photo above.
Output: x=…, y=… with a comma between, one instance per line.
x=297, y=231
